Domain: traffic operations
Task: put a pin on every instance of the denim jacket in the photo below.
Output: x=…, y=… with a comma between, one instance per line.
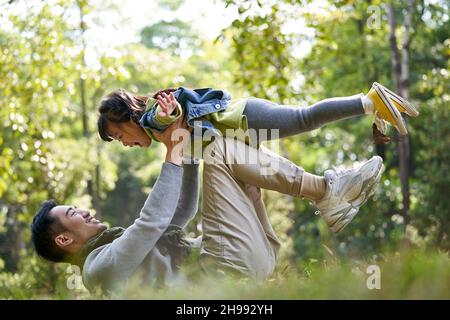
x=197, y=103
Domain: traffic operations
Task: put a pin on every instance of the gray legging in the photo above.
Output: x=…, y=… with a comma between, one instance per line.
x=291, y=120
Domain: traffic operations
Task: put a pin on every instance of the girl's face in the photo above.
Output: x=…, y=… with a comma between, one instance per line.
x=129, y=133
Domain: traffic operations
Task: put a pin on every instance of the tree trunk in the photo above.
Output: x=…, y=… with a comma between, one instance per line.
x=400, y=67
x=404, y=145
x=11, y=241
x=380, y=149
x=396, y=67
x=92, y=184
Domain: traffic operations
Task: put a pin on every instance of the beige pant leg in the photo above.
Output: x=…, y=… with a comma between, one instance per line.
x=237, y=234
x=261, y=167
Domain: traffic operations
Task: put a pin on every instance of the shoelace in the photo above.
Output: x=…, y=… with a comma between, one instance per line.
x=338, y=172
x=381, y=124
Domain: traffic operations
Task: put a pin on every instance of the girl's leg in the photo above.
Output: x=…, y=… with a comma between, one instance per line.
x=292, y=120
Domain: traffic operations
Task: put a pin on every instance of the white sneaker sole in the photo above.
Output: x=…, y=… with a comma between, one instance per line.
x=369, y=189
x=365, y=194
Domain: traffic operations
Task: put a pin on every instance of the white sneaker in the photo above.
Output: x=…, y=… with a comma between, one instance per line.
x=347, y=190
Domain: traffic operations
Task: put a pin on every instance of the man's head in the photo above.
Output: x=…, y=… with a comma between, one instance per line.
x=60, y=231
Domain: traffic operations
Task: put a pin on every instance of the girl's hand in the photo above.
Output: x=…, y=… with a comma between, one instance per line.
x=167, y=102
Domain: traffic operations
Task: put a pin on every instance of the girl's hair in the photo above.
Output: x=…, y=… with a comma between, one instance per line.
x=122, y=106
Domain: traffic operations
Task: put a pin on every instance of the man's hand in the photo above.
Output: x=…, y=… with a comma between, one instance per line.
x=175, y=137
x=167, y=102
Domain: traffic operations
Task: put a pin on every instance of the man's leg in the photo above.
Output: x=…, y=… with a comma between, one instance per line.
x=338, y=195
x=266, y=169
x=237, y=235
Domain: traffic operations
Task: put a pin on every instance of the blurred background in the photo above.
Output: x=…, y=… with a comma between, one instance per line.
x=58, y=58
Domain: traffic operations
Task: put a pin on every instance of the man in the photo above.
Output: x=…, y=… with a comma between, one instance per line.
x=109, y=257
x=237, y=234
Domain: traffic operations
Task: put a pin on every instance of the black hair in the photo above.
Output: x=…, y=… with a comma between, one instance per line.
x=44, y=228
x=122, y=106
x=119, y=106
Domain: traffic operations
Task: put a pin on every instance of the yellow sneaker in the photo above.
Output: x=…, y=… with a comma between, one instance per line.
x=400, y=103
x=385, y=108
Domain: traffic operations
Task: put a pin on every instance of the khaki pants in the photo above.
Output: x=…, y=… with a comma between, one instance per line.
x=237, y=234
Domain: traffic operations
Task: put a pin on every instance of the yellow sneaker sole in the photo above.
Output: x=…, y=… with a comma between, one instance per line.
x=385, y=109
x=400, y=103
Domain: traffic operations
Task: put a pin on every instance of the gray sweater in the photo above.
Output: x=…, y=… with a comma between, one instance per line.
x=173, y=200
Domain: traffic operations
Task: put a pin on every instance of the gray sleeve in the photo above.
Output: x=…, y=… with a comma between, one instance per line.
x=188, y=202
x=124, y=255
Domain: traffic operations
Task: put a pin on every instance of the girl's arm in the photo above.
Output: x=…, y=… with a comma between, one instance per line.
x=165, y=115
x=166, y=111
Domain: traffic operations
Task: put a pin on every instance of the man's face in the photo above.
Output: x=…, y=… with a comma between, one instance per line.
x=80, y=226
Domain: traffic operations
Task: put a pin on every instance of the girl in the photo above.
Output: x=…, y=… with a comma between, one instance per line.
x=136, y=116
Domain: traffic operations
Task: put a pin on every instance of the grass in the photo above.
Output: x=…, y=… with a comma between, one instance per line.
x=411, y=275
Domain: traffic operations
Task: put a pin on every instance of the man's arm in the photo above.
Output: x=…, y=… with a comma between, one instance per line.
x=119, y=259
x=123, y=256
x=188, y=201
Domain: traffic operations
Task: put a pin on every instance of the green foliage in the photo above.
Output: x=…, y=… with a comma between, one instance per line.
x=262, y=50
x=174, y=35
x=45, y=152
x=432, y=164
x=349, y=52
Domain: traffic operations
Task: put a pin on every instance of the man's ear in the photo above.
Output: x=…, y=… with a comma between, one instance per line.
x=63, y=240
